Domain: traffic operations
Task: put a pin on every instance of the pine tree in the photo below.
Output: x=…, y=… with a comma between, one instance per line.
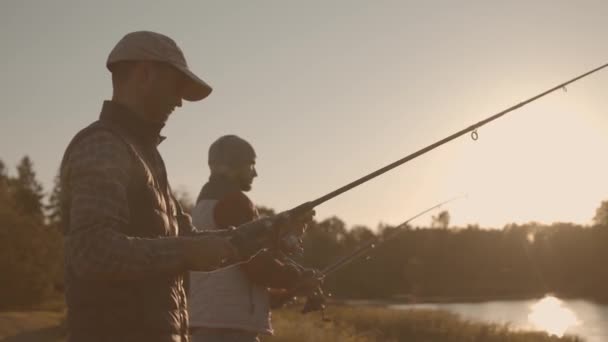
x=53, y=208
x=27, y=191
x=3, y=181
x=601, y=214
x=442, y=220
x=30, y=252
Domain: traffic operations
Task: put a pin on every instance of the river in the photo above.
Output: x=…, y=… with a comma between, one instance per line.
x=553, y=315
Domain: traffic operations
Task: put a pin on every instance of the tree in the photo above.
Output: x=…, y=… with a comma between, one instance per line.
x=53, y=208
x=27, y=191
x=30, y=259
x=3, y=181
x=601, y=214
x=360, y=234
x=442, y=220
x=324, y=241
x=30, y=252
x=183, y=197
x=265, y=211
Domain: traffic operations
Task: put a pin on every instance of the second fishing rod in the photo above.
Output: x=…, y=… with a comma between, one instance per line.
x=316, y=300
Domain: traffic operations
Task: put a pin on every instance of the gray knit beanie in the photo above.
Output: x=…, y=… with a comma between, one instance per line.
x=232, y=151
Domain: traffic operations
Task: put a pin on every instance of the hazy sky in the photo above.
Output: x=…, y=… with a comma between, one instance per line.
x=328, y=91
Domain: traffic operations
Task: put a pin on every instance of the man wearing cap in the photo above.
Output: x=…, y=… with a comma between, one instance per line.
x=233, y=304
x=127, y=240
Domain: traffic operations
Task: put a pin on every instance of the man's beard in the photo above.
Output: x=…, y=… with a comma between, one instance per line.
x=245, y=184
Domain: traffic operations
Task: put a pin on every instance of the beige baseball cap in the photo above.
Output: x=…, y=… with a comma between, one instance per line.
x=152, y=46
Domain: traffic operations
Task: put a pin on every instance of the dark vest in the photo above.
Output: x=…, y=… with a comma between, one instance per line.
x=148, y=310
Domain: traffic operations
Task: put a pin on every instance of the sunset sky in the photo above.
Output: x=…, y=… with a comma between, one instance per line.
x=328, y=91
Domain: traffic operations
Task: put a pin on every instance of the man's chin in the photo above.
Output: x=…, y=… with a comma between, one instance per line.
x=160, y=118
x=246, y=187
x=165, y=117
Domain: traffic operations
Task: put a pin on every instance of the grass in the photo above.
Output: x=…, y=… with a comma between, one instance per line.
x=360, y=324
x=31, y=326
x=39, y=323
x=349, y=324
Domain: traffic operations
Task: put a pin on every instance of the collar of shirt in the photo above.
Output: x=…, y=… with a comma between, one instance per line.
x=144, y=131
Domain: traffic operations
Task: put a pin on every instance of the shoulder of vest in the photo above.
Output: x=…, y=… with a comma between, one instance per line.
x=94, y=127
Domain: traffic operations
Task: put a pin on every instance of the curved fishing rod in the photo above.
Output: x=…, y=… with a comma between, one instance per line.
x=316, y=301
x=312, y=204
x=377, y=241
x=293, y=242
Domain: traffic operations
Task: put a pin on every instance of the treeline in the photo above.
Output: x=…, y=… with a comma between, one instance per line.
x=439, y=261
x=30, y=239
x=465, y=263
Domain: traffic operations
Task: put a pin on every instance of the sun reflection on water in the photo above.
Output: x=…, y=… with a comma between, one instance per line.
x=550, y=315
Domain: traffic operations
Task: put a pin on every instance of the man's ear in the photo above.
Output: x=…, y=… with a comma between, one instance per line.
x=221, y=169
x=144, y=73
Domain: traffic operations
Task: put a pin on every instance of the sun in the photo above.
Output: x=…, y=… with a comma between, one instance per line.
x=550, y=315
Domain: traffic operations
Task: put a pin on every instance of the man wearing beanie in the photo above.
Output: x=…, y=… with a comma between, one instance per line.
x=233, y=304
x=127, y=240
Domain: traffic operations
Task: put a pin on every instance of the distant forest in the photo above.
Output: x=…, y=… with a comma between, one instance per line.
x=421, y=263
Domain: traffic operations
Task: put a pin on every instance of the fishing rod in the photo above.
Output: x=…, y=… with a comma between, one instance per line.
x=307, y=206
x=316, y=301
x=290, y=242
x=377, y=241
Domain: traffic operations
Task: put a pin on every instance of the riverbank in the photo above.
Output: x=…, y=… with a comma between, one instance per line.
x=367, y=324
x=410, y=299
x=348, y=324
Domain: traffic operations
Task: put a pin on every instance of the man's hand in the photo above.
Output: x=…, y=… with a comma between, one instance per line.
x=208, y=252
x=309, y=282
x=295, y=222
x=290, y=227
x=250, y=238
